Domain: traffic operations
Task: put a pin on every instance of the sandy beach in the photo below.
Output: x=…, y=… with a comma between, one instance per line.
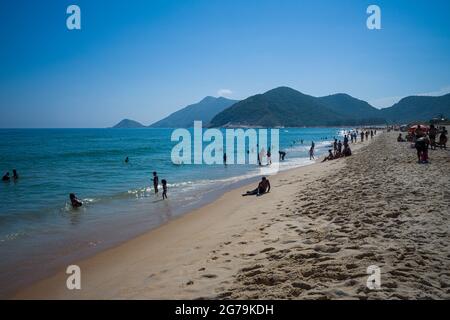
x=312, y=237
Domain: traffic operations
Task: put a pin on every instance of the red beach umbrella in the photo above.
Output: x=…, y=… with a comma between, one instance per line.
x=422, y=126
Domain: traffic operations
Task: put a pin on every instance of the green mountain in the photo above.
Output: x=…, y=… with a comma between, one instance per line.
x=204, y=110
x=287, y=107
x=127, y=124
x=284, y=106
x=417, y=108
x=358, y=110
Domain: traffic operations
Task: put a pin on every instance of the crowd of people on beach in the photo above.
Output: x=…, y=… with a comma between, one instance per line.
x=340, y=149
x=423, y=138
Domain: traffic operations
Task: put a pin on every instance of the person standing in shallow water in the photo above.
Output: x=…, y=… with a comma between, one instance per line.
x=164, y=186
x=311, y=153
x=15, y=174
x=225, y=159
x=155, y=181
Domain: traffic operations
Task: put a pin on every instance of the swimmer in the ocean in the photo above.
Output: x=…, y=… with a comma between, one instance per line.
x=6, y=177
x=76, y=203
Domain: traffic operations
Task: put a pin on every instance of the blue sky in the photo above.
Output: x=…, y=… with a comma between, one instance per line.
x=144, y=59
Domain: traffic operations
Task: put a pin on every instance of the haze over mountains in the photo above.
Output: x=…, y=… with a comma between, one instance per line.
x=284, y=106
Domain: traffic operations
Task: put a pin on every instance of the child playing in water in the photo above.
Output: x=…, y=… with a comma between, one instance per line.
x=164, y=186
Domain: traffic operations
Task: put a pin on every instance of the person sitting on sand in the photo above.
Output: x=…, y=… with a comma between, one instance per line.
x=164, y=186
x=6, y=177
x=155, y=181
x=400, y=138
x=347, y=151
x=329, y=157
x=76, y=203
x=263, y=187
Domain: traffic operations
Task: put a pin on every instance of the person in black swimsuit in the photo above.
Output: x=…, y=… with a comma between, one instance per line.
x=263, y=187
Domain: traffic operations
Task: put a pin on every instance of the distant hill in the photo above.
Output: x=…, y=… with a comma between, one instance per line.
x=358, y=110
x=285, y=106
x=417, y=108
x=127, y=124
x=204, y=110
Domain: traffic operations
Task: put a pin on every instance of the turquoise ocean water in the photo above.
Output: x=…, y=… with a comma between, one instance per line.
x=40, y=232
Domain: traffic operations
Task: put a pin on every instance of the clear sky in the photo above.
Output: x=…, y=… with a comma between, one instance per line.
x=143, y=59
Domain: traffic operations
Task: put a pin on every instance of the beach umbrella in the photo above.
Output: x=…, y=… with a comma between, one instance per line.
x=422, y=126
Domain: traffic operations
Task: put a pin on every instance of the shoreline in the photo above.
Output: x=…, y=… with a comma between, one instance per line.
x=171, y=212
x=158, y=235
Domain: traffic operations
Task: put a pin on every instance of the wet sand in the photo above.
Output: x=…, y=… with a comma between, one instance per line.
x=312, y=237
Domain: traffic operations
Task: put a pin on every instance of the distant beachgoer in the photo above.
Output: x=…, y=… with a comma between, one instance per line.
x=15, y=174
x=420, y=144
x=432, y=133
x=269, y=157
x=443, y=139
x=76, y=203
x=225, y=159
x=313, y=145
x=263, y=187
x=362, y=136
x=127, y=160
x=6, y=177
x=367, y=135
x=371, y=134
x=347, y=151
x=339, y=146
x=400, y=138
x=311, y=153
x=329, y=157
x=164, y=186
x=345, y=140
x=301, y=141
x=155, y=181
x=282, y=155
x=261, y=155
x=335, y=145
